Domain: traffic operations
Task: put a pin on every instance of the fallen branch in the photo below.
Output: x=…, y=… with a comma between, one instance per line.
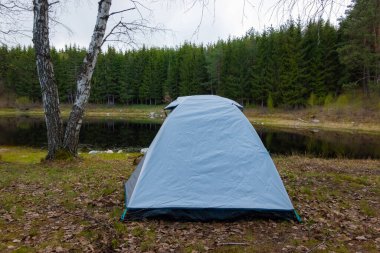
x=235, y=243
x=317, y=246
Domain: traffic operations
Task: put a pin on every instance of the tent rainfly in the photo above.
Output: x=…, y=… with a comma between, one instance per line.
x=206, y=163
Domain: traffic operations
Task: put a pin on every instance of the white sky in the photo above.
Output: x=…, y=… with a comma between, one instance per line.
x=181, y=20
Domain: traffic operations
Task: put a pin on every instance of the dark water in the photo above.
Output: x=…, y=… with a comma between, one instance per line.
x=133, y=135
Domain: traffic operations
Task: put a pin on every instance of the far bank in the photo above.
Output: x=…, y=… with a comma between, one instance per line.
x=333, y=118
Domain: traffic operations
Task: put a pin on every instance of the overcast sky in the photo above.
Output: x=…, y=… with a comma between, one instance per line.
x=225, y=18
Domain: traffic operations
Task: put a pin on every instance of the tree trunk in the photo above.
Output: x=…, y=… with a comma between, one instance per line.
x=45, y=70
x=71, y=138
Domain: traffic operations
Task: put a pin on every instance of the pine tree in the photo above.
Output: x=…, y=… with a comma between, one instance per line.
x=290, y=90
x=360, y=52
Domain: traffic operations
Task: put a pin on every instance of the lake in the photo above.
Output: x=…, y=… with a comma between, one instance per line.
x=133, y=135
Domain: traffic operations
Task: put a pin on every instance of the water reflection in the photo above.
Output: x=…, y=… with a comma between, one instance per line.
x=320, y=143
x=133, y=135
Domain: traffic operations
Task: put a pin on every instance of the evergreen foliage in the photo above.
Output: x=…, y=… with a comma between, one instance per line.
x=292, y=66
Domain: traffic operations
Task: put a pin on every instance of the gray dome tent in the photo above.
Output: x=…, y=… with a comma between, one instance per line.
x=206, y=163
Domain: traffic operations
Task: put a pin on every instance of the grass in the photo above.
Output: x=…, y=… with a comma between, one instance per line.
x=75, y=206
x=367, y=209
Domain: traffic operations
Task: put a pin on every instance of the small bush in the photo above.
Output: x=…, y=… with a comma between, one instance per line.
x=342, y=101
x=312, y=101
x=23, y=103
x=270, y=104
x=329, y=99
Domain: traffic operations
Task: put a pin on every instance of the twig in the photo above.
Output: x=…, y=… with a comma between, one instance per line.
x=53, y=3
x=117, y=12
x=317, y=246
x=235, y=243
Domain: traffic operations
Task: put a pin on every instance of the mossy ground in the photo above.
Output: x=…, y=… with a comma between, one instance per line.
x=75, y=206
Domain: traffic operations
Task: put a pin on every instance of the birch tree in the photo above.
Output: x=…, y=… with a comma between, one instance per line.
x=63, y=141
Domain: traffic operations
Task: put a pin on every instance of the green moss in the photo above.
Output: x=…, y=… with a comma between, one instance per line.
x=116, y=213
x=311, y=243
x=244, y=249
x=306, y=190
x=63, y=154
x=18, y=212
x=197, y=247
x=366, y=208
x=33, y=231
x=90, y=234
x=68, y=204
x=109, y=157
x=24, y=249
x=296, y=242
x=115, y=243
x=147, y=237
x=146, y=246
x=370, y=247
x=341, y=249
x=138, y=232
x=22, y=155
x=7, y=201
x=122, y=228
x=108, y=190
x=325, y=193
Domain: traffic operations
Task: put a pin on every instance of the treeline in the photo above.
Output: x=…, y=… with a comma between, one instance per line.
x=291, y=66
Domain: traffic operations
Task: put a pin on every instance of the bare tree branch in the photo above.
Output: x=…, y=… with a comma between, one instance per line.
x=204, y=6
x=138, y=5
x=117, y=12
x=245, y=2
x=125, y=29
x=311, y=10
x=111, y=32
x=53, y=3
x=12, y=20
x=196, y=32
x=124, y=32
x=281, y=9
x=57, y=22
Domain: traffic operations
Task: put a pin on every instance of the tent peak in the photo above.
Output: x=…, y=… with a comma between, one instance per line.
x=201, y=99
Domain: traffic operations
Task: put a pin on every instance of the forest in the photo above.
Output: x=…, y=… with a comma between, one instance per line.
x=292, y=66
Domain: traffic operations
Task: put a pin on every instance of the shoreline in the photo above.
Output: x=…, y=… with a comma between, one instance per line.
x=283, y=120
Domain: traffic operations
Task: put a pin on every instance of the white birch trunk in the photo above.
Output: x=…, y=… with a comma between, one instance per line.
x=71, y=137
x=45, y=71
x=57, y=141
